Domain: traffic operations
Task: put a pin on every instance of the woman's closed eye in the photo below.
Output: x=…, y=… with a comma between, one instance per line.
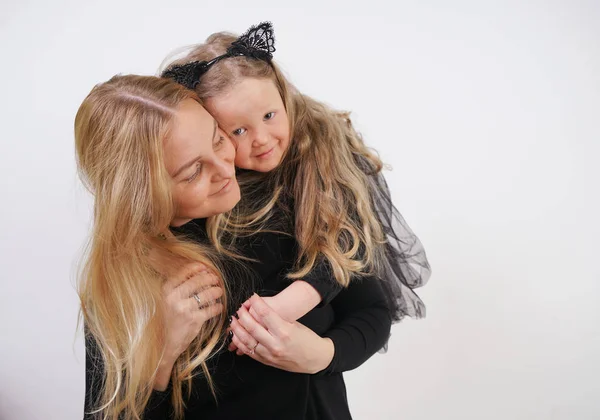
x=220, y=142
x=196, y=172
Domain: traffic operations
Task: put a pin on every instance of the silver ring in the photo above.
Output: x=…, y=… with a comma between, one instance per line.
x=254, y=348
x=195, y=296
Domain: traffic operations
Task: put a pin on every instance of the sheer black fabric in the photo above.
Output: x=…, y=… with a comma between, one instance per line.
x=406, y=266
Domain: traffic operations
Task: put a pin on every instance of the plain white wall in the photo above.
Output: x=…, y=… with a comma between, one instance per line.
x=488, y=113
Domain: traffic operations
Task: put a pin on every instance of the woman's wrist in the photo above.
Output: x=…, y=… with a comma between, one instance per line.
x=163, y=374
x=325, y=354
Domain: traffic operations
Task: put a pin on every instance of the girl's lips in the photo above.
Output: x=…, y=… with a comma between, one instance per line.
x=266, y=154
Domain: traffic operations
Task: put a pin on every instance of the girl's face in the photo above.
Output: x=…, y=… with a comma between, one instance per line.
x=200, y=159
x=253, y=115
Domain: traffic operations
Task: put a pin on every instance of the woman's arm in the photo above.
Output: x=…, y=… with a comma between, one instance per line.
x=362, y=327
x=183, y=292
x=317, y=288
x=363, y=324
x=263, y=335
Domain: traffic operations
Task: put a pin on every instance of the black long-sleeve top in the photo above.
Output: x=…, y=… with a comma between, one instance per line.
x=357, y=320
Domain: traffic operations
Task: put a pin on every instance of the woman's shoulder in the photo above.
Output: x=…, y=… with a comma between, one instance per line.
x=195, y=229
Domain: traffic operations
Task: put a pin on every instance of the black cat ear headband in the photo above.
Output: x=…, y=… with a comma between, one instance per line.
x=258, y=43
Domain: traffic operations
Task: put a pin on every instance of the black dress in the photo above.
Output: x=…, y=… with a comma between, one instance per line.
x=357, y=320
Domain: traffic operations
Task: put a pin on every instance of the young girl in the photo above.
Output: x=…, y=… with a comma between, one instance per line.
x=301, y=158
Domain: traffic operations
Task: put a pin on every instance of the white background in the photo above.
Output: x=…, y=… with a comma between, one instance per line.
x=488, y=113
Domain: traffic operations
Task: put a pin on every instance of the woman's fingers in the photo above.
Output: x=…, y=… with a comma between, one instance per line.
x=208, y=296
x=260, y=353
x=259, y=331
x=240, y=345
x=205, y=298
x=255, y=329
x=209, y=312
x=231, y=346
x=266, y=317
x=254, y=314
x=196, y=282
x=183, y=274
x=242, y=334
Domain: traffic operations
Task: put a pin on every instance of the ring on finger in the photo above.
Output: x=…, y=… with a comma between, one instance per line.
x=197, y=298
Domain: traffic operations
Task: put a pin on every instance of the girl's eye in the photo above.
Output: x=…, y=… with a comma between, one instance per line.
x=269, y=116
x=191, y=178
x=239, y=131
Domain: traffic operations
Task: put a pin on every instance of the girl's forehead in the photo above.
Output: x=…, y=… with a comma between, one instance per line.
x=244, y=97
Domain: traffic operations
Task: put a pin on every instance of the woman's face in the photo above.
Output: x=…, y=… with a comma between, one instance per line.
x=200, y=159
x=252, y=113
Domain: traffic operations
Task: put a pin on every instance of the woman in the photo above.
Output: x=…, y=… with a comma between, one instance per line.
x=135, y=139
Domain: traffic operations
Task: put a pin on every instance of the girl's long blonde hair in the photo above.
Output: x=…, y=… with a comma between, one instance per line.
x=325, y=172
x=119, y=132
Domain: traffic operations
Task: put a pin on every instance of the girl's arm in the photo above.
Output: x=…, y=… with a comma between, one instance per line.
x=317, y=288
x=294, y=301
x=362, y=327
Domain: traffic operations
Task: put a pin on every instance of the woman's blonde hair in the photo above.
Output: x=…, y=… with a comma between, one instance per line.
x=325, y=172
x=119, y=132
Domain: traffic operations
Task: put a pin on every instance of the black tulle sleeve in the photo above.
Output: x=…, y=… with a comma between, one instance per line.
x=405, y=265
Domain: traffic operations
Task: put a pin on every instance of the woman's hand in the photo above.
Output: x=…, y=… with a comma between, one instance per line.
x=263, y=335
x=270, y=301
x=190, y=299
